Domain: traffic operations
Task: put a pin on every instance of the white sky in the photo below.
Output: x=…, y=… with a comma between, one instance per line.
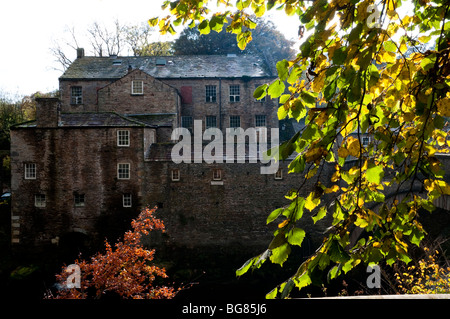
x=28, y=29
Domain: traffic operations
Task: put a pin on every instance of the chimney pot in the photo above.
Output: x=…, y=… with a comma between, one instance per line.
x=80, y=53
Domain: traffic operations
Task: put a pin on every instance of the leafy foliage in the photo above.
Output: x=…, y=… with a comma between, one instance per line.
x=377, y=93
x=125, y=270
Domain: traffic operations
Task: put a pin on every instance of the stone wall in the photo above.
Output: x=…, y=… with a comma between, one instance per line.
x=90, y=96
x=157, y=97
x=69, y=162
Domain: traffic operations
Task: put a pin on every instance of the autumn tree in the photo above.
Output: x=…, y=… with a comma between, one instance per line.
x=369, y=74
x=125, y=270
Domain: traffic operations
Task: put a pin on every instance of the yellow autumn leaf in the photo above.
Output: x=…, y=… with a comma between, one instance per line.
x=311, y=202
x=332, y=189
x=389, y=57
x=318, y=82
x=353, y=146
x=443, y=107
x=284, y=223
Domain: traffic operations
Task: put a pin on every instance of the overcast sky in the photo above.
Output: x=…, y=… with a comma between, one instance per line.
x=28, y=29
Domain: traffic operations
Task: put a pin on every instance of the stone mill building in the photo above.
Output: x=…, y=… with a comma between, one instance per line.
x=93, y=158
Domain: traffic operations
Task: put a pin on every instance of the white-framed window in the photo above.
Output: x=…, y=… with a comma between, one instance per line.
x=39, y=200
x=365, y=141
x=260, y=120
x=235, y=93
x=235, y=121
x=211, y=93
x=211, y=121
x=76, y=95
x=30, y=170
x=217, y=174
x=279, y=174
x=137, y=87
x=79, y=200
x=127, y=200
x=123, y=171
x=175, y=174
x=123, y=138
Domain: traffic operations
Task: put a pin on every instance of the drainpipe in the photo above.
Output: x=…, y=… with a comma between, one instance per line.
x=220, y=104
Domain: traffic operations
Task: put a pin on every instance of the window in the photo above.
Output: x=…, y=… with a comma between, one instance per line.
x=79, y=200
x=260, y=120
x=123, y=171
x=175, y=174
x=211, y=121
x=210, y=93
x=235, y=121
x=76, y=95
x=365, y=141
x=217, y=174
x=234, y=93
x=279, y=174
x=123, y=138
x=39, y=200
x=126, y=200
x=137, y=87
x=186, y=122
x=30, y=171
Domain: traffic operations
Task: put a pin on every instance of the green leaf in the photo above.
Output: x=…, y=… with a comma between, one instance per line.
x=203, y=27
x=245, y=267
x=280, y=254
x=340, y=55
x=283, y=69
x=296, y=236
x=428, y=62
x=375, y=174
x=260, y=92
x=275, y=89
x=390, y=46
x=320, y=214
x=274, y=215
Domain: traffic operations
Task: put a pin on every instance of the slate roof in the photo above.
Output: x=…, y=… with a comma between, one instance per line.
x=178, y=66
x=88, y=119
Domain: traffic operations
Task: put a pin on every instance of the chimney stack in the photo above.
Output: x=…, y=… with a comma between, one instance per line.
x=80, y=53
x=47, y=112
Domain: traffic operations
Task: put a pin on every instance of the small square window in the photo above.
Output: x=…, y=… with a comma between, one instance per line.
x=137, y=87
x=235, y=121
x=123, y=171
x=76, y=95
x=365, y=141
x=186, y=122
x=123, y=138
x=260, y=120
x=210, y=93
x=234, y=93
x=127, y=200
x=279, y=174
x=217, y=174
x=175, y=174
x=30, y=171
x=79, y=200
x=211, y=121
x=39, y=200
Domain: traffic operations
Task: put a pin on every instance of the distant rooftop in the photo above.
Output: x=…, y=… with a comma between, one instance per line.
x=104, y=119
x=178, y=66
